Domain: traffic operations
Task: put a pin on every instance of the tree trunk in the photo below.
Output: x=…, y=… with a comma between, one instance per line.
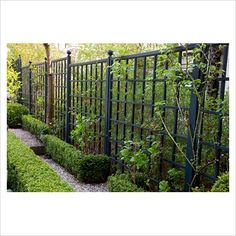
x=50, y=97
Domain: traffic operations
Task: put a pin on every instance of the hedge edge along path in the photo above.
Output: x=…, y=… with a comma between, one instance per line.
x=27, y=173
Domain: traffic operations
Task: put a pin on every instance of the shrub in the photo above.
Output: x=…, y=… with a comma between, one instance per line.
x=28, y=173
x=34, y=126
x=93, y=169
x=122, y=183
x=62, y=152
x=87, y=168
x=142, y=180
x=164, y=186
x=15, y=111
x=221, y=184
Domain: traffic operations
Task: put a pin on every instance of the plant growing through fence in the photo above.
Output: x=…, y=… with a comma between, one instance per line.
x=83, y=133
x=179, y=77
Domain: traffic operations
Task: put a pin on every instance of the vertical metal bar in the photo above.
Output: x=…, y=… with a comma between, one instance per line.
x=100, y=108
x=56, y=89
x=90, y=89
x=30, y=88
x=176, y=112
x=68, y=100
x=45, y=89
x=163, y=117
x=143, y=95
x=191, y=141
x=73, y=96
x=95, y=104
x=86, y=87
x=154, y=84
x=220, y=120
x=77, y=88
x=65, y=94
x=107, y=144
x=117, y=111
x=19, y=70
x=133, y=101
x=125, y=105
x=81, y=91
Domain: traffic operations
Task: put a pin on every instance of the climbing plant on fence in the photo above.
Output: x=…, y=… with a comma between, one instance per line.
x=162, y=113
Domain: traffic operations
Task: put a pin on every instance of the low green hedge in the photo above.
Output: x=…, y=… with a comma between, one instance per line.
x=28, y=173
x=221, y=184
x=87, y=168
x=93, y=169
x=15, y=111
x=122, y=183
x=35, y=126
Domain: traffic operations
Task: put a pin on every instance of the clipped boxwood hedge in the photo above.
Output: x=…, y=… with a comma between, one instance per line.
x=15, y=111
x=28, y=173
x=221, y=184
x=87, y=168
x=122, y=183
x=94, y=169
x=35, y=126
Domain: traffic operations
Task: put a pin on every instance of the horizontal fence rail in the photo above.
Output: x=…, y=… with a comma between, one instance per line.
x=118, y=96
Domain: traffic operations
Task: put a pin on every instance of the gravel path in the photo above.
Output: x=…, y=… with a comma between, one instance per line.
x=30, y=140
x=26, y=137
x=78, y=186
x=38, y=148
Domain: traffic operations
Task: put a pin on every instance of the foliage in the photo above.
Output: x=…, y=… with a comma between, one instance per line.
x=35, y=126
x=134, y=156
x=122, y=183
x=221, y=184
x=15, y=111
x=83, y=132
x=164, y=186
x=27, y=173
x=88, y=168
x=86, y=52
x=179, y=78
x=142, y=180
x=93, y=169
x=176, y=178
x=34, y=52
x=12, y=82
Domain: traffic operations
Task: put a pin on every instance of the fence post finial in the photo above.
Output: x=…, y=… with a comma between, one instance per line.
x=110, y=52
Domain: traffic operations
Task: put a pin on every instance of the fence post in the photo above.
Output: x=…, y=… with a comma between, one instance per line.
x=19, y=70
x=107, y=144
x=191, y=144
x=30, y=88
x=45, y=90
x=68, y=98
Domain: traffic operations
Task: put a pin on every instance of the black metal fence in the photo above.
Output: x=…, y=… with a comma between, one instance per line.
x=120, y=93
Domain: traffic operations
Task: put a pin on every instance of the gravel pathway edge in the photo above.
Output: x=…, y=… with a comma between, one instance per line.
x=66, y=176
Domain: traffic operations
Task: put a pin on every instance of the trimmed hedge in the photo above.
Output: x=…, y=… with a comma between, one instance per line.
x=221, y=184
x=122, y=183
x=28, y=173
x=15, y=111
x=35, y=126
x=87, y=168
x=94, y=169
